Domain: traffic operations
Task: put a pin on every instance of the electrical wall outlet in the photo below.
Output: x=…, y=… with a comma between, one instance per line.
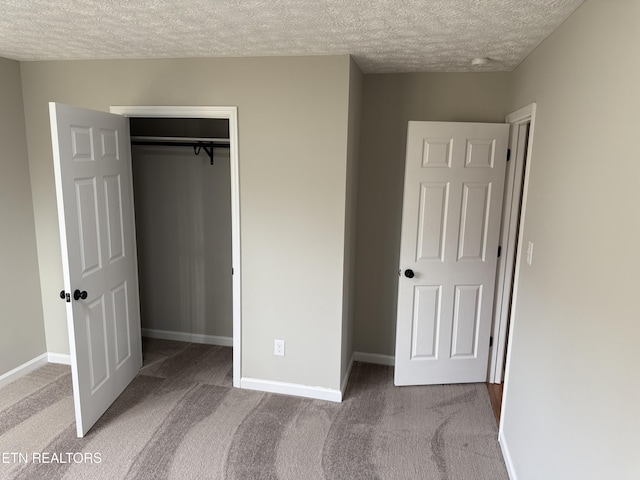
x=278, y=347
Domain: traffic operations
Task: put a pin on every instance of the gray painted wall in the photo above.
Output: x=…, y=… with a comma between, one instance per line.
x=22, y=336
x=353, y=154
x=293, y=123
x=183, y=232
x=389, y=102
x=572, y=395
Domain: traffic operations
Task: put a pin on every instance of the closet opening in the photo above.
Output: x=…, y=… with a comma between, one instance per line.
x=183, y=214
x=181, y=271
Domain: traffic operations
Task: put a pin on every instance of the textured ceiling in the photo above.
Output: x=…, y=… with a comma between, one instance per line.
x=383, y=36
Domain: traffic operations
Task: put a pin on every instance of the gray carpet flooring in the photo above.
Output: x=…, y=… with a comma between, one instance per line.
x=180, y=419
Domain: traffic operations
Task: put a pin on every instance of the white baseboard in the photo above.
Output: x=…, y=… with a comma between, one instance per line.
x=61, y=358
x=23, y=369
x=187, y=337
x=345, y=380
x=511, y=471
x=374, y=358
x=318, y=393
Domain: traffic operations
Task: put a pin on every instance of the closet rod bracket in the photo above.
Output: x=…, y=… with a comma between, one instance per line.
x=208, y=151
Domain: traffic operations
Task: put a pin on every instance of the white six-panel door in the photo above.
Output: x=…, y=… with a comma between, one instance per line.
x=454, y=179
x=92, y=163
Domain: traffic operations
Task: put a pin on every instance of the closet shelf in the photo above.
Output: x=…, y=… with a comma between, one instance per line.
x=198, y=143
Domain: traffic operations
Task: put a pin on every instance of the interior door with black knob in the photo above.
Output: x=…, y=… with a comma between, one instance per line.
x=92, y=165
x=454, y=177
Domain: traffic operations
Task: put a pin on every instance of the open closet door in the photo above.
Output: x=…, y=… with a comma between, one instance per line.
x=92, y=162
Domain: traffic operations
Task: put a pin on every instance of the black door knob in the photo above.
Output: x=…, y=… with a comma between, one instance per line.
x=62, y=294
x=77, y=295
x=408, y=273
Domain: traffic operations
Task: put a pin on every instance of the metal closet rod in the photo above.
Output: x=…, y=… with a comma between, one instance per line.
x=198, y=143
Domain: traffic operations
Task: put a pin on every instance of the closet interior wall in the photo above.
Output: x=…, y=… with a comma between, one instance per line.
x=183, y=228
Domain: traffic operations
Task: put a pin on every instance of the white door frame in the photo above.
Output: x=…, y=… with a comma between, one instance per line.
x=505, y=303
x=230, y=114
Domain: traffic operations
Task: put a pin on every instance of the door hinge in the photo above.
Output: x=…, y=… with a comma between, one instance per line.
x=508, y=154
x=490, y=341
x=499, y=251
